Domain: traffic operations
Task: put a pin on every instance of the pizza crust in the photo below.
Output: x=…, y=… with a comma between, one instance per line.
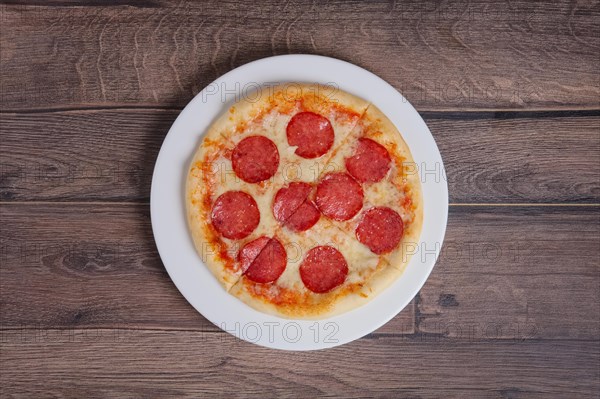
x=267, y=112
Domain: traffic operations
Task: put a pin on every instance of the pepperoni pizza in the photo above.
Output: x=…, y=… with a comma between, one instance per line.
x=304, y=201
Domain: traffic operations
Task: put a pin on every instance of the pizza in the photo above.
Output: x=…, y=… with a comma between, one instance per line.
x=304, y=201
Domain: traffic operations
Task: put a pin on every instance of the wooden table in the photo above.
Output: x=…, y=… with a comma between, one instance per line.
x=510, y=91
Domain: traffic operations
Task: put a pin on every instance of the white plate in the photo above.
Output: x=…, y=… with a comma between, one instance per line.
x=195, y=281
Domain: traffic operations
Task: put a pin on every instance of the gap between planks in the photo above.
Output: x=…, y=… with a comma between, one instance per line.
x=147, y=203
x=434, y=112
x=373, y=335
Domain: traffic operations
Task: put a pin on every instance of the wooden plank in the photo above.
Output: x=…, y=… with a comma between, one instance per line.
x=97, y=155
x=527, y=272
x=109, y=155
x=95, y=266
x=516, y=273
x=177, y=364
x=536, y=159
x=442, y=56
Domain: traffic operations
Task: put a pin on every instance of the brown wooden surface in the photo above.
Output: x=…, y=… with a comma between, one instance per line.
x=115, y=160
x=511, y=93
x=476, y=55
x=134, y=363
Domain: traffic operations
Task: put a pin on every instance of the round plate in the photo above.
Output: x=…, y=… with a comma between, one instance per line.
x=195, y=281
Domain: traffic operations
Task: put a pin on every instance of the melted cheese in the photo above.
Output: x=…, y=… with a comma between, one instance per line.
x=288, y=295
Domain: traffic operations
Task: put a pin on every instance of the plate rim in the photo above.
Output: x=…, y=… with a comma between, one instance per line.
x=283, y=342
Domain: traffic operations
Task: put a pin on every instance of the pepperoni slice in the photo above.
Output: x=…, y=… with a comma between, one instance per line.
x=311, y=133
x=250, y=252
x=323, y=269
x=263, y=260
x=292, y=207
x=304, y=218
x=235, y=214
x=380, y=229
x=339, y=196
x=288, y=200
x=370, y=163
x=255, y=159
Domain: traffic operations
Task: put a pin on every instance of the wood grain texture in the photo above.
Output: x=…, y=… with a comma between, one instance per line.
x=95, y=266
x=515, y=273
x=489, y=158
x=536, y=159
x=195, y=364
x=83, y=155
x=442, y=56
